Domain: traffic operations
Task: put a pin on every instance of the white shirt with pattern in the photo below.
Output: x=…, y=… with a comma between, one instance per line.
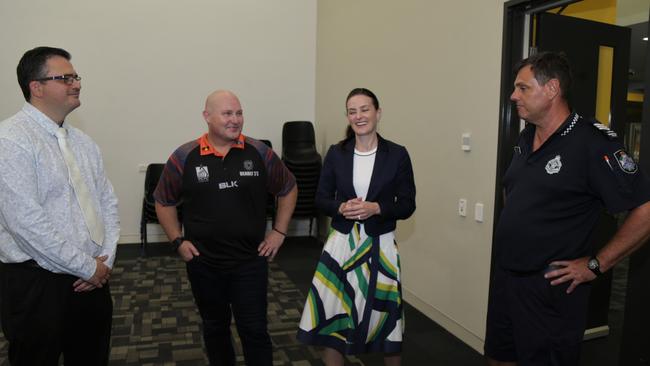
x=40, y=217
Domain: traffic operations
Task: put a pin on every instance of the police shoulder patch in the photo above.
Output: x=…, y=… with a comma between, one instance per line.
x=604, y=129
x=625, y=161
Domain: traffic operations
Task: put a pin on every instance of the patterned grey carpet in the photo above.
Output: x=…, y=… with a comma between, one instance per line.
x=155, y=321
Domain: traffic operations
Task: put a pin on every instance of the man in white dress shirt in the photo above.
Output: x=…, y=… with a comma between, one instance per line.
x=59, y=224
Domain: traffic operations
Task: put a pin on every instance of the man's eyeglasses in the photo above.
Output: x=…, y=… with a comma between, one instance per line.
x=68, y=79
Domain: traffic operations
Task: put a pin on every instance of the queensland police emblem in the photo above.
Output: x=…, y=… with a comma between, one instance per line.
x=626, y=162
x=202, y=174
x=554, y=165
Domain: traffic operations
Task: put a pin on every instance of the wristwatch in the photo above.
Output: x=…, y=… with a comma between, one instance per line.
x=177, y=243
x=594, y=266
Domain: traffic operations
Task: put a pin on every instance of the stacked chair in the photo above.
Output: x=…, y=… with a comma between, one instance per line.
x=148, y=216
x=300, y=156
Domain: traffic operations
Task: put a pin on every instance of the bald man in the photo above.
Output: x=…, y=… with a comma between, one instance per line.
x=223, y=178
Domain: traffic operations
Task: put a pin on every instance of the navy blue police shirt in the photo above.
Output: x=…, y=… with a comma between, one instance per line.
x=554, y=196
x=224, y=197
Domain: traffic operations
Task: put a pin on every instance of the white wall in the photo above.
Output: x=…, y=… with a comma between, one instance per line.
x=148, y=65
x=435, y=66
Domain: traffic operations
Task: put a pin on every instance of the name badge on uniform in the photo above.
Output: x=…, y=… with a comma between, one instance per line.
x=554, y=165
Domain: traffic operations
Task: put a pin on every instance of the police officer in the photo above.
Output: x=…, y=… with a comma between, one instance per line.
x=564, y=170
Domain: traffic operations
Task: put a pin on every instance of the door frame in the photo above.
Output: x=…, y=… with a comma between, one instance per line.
x=517, y=19
x=634, y=349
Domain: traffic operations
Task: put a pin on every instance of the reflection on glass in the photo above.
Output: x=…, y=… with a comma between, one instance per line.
x=633, y=139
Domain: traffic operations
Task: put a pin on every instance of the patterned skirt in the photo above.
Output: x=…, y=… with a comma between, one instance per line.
x=354, y=303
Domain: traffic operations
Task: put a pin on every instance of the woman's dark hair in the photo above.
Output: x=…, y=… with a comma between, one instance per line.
x=32, y=66
x=349, y=133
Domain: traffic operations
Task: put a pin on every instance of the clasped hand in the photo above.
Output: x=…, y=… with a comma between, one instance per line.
x=358, y=209
x=98, y=279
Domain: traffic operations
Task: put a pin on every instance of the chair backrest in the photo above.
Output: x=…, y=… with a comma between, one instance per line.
x=154, y=171
x=297, y=132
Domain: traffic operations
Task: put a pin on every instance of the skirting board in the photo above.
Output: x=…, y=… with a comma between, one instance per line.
x=135, y=238
x=466, y=336
x=444, y=321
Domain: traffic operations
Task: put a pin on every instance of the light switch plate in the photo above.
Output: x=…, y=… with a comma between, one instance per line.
x=462, y=207
x=478, y=212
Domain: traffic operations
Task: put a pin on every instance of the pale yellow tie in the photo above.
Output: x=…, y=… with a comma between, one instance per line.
x=93, y=222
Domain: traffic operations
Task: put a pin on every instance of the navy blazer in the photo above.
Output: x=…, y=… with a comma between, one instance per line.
x=392, y=186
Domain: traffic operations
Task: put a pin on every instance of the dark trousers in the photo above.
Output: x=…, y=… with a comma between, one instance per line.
x=240, y=292
x=533, y=323
x=42, y=318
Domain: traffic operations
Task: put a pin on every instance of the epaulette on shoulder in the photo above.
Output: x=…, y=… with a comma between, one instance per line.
x=604, y=129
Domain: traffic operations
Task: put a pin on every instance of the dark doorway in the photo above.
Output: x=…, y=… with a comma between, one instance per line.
x=584, y=42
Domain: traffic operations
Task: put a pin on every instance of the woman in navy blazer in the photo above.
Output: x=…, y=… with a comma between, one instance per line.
x=354, y=304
